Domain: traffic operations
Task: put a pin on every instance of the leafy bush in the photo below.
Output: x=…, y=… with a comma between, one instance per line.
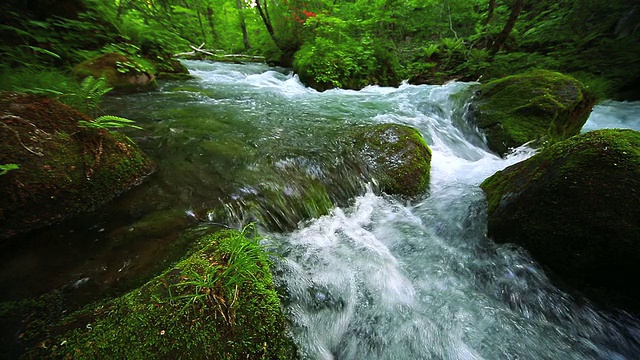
x=39, y=80
x=344, y=55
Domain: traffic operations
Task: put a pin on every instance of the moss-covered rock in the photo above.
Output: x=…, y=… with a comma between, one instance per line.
x=397, y=155
x=122, y=73
x=576, y=207
x=522, y=108
x=219, y=303
x=63, y=170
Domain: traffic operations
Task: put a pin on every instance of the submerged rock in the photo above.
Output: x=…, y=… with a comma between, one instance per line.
x=64, y=170
x=522, y=108
x=218, y=303
x=397, y=155
x=290, y=190
x=122, y=73
x=576, y=207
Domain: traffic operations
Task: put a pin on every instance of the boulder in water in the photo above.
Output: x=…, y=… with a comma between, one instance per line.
x=64, y=169
x=397, y=155
x=522, y=108
x=122, y=73
x=576, y=207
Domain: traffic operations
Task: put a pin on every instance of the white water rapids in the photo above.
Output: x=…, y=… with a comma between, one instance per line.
x=386, y=279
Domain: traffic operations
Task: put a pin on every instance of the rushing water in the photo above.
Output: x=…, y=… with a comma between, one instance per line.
x=378, y=277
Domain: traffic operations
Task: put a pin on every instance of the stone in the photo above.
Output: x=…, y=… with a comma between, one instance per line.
x=219, y=302
x=575, y=207
x=122, y=73
x=64, y=170
x=397, y=156
x=539, y=105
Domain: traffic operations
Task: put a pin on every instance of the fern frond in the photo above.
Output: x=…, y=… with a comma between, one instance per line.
x=108, y=122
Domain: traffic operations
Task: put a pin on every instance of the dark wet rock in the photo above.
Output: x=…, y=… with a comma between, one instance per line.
x=522, y=108
x=576, y=207
x=64, y=170
x=122, y=73
x=397, y=155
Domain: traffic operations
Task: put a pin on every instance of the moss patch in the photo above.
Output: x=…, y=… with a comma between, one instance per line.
x=576, y=207
x=397, y=155
x=122, y=73
x=217, y=304
x=521, y=108
x=64, y=170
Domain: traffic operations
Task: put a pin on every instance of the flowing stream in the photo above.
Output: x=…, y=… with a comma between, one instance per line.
x=376, y=278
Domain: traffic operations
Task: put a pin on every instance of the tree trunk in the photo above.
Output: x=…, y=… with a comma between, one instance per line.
x=492, y=7
x=266, y=21
x=498, y=43
x=211, y=22
x=243, y=25
x=204, y=34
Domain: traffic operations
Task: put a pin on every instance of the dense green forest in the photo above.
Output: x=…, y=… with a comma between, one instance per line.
x=329, y=43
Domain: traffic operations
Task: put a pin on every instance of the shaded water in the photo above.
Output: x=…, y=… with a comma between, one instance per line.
x=377, y=278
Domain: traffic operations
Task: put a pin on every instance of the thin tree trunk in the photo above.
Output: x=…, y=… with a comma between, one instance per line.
x=492, y=7
x=266, y=21
x=120, y=9
x=243, y=25
x=211, y=22
x=498, y=43
x=204, y=34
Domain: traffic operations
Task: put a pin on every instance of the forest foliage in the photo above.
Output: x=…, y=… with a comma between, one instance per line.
x=348, y=44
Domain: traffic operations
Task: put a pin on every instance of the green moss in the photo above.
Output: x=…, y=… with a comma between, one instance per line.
x=521, y=108
x=122, y=73
x=64, y=170
x=576, y=207
x=218, y=303
x=398, y=156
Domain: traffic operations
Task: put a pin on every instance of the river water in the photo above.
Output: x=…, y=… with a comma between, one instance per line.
x=378, y=277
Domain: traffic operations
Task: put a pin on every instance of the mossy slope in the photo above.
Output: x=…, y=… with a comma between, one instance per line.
x=122, y=73
x=576, y=207
x=518, y=109
x=398, y=156
x=64, y=170
x=219, y=303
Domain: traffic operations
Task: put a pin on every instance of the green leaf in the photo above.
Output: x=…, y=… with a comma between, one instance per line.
x=5, y=168
x=44, y=51
x=108, y=122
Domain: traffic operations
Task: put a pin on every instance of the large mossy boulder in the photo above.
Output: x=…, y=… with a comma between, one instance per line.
x=518, y=109
x=218, y=303
x=397, y=156
x=121, y=73
x=64, y=170
x=576, y=207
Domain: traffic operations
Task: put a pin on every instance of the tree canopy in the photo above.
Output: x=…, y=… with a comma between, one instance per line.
x=348, y=43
